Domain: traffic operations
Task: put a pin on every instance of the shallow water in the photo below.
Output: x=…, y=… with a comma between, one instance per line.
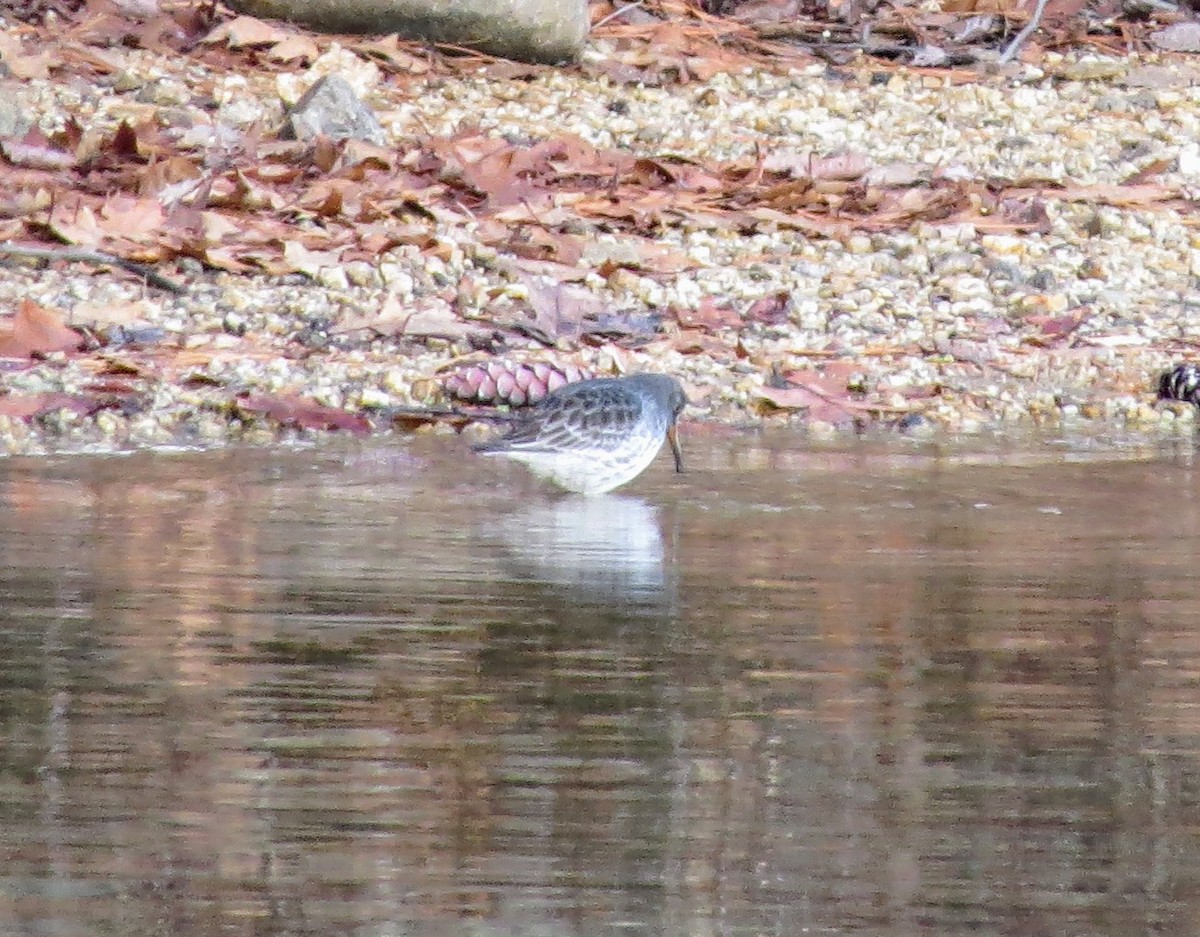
x=395, y=690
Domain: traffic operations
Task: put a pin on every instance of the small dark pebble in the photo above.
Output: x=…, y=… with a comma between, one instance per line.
x=121, y=336
x=315, y=335
x=1043, y=280
x=910, y=422
x=233, y=324
x=1182, y=382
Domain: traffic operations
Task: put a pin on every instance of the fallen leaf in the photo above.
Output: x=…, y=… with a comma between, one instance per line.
x=131, y=217
x=389, y=51
x=708, y=316
x=1054, y=329
x=824, y=396
x=20, y=64
x=302, y=412
x=395, y=317
x=558, y=308
x=36, y=330
x=75, y=223
x=294, y=48
x=801, y=397
x=300, y=259
x=246, y=31
x=32, y=406
x=771, y=310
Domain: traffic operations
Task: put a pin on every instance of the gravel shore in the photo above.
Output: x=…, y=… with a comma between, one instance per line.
x=962, y=328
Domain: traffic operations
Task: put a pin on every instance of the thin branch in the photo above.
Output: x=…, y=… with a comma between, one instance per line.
x=615, y=13
x=1026, y=31
x=80, y=255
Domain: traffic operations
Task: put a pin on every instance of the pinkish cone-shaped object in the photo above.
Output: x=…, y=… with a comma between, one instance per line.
x=502, y=382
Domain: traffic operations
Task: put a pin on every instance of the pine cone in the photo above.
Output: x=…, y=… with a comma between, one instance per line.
x=1182, y=382
x=500, y=382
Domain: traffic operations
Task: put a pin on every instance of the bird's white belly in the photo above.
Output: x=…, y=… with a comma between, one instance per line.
x=590, y=471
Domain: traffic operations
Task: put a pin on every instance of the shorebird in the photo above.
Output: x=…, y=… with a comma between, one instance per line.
x=1182, y=382
x=592, y=436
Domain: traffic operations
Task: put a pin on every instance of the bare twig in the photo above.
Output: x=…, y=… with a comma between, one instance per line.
x=618, y=12
x=80, y=255
x=1026, y=31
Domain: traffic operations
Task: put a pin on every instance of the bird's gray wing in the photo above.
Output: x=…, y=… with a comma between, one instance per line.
x=589, y=418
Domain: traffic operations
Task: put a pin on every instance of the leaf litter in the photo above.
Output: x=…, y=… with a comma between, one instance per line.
x=240, y=200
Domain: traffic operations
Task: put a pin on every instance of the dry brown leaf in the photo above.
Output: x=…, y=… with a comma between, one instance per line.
x=774, y=309
x=537, y=243
x=36, y=330
x=223, y=258
x=299, y=259
x=1054, y=330
x=434, y=320
x=708, y=316
x=165, y=173
x=246, y=31
x=296, y=48
x=693, y=342
x=131, y=217
x=21, y=64
x=389, y=50
x=31, y=406
x=75, y=224
x=302, y=412
x=818, y=405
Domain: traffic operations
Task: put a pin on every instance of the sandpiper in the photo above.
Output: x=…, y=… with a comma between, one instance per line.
x=1182, y=382
x=593, y=436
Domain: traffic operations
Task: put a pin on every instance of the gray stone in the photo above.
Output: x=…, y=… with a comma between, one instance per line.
x=1178, y=37
x=331, y=107
x=527, y=30
x=16, y=116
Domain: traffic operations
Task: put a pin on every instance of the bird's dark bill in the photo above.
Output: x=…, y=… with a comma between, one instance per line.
x=673, y=439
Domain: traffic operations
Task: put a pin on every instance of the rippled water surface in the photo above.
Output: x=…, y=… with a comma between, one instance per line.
x=396, y=690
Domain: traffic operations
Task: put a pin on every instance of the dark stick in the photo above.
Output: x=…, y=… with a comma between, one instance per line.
x=81, y=255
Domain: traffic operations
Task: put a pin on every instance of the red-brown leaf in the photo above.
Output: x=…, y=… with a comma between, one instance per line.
x=1055, y=329
x=708, y=316
x=31, y=406
x=770, y=310
x=302, y=412
x=36, y=330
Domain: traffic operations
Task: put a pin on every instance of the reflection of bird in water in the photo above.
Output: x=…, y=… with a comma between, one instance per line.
x=609, y=548
x=592, y=436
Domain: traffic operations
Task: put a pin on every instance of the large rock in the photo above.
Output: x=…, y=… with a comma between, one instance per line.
x=331, y=107
x=529, y=30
